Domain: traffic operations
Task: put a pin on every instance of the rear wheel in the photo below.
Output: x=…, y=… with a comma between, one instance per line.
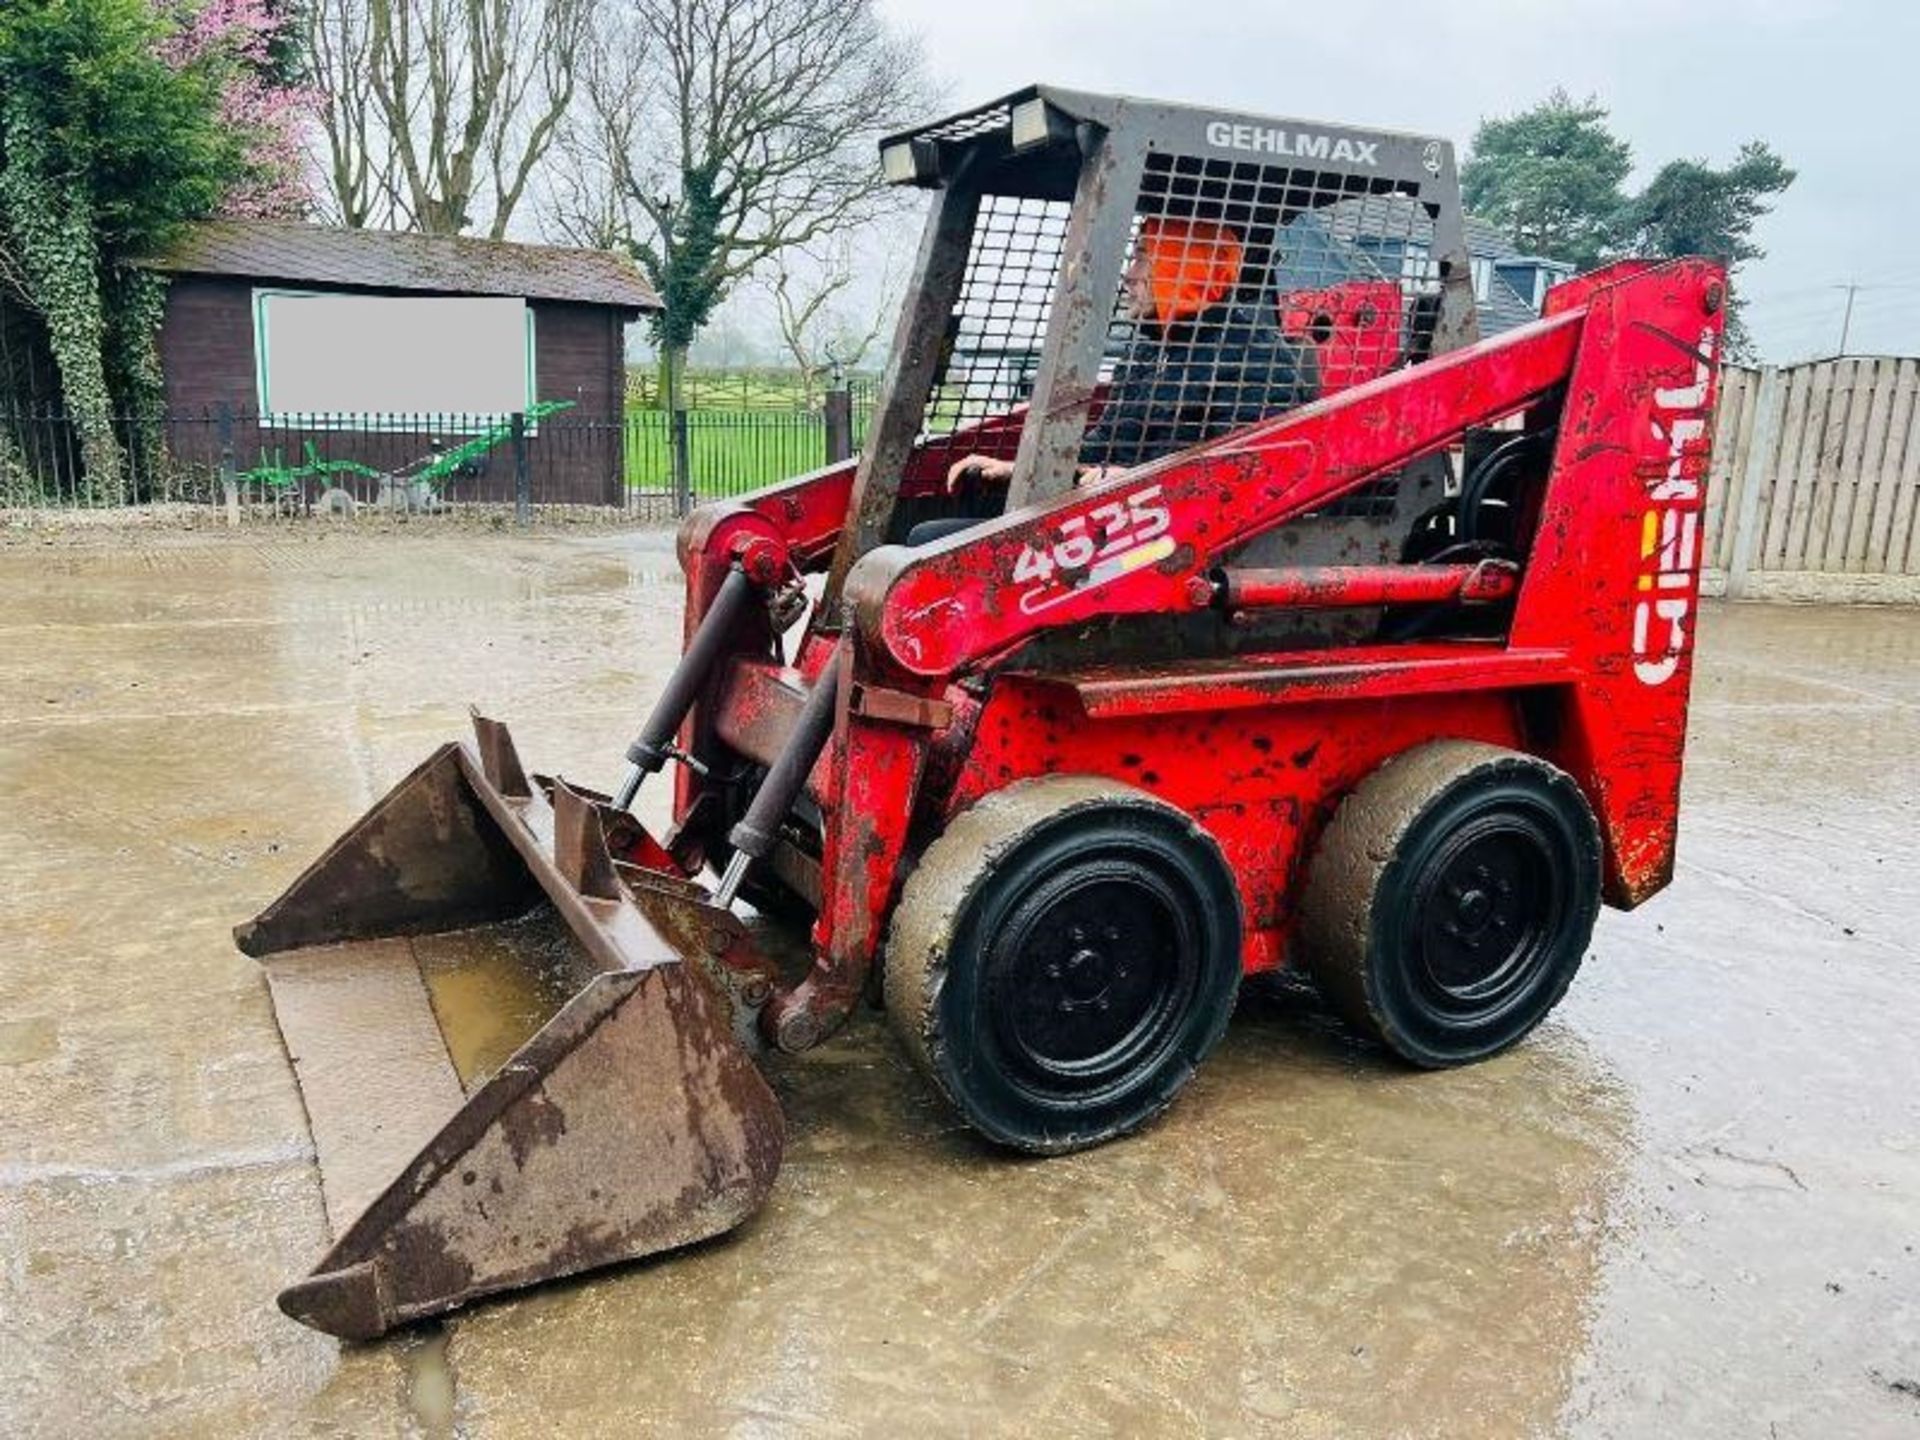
x=1062, y=958
x=1451, y=900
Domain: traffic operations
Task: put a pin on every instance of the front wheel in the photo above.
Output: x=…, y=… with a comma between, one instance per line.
x=1451, y=900
x=1062, y=958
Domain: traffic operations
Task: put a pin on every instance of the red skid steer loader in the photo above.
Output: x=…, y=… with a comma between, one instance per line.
x=1208, y=598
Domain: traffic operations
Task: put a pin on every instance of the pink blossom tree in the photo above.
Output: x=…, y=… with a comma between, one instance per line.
x=239, y=38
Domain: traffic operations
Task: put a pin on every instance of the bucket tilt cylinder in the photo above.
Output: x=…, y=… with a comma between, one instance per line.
x=754, y=836
x=655, y=744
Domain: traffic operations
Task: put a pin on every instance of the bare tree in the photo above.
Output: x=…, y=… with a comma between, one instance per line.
x=352, y=151
x=733, y=132
x=811, y=309
x=584, y=200
x=439, y=112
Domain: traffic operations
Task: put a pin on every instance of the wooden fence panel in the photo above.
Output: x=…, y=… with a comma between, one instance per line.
x=1800, y=467
x=1882, y=556
x=1848, y=475
x=1733, y=433
x=1853, y=502
x=1873, y=447
x=1816, y=472
x=1779, y=467
x=1826, y=467
x=1903, y=548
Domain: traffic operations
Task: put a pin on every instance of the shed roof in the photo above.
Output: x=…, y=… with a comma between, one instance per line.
x=393, y=260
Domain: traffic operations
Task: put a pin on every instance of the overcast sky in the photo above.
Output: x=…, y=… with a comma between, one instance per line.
x=1833, y=85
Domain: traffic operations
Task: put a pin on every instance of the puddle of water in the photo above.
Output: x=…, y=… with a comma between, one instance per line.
x=494, y=986
x=430, y=1385
x=24, y=1041
x=1313, y=1243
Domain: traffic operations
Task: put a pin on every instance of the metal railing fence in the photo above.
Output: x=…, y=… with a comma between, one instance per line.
x=548, y=460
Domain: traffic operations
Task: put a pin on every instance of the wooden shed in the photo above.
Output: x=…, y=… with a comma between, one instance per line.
x=376, y=347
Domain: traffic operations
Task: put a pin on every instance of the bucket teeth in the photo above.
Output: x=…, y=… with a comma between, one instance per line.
x=580, y=845
x=499, y=761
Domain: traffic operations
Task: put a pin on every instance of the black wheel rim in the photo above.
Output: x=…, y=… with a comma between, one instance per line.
x=1088, y=980
x=1489, y=906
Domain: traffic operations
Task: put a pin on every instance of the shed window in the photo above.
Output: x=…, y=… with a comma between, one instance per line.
x=391, y=359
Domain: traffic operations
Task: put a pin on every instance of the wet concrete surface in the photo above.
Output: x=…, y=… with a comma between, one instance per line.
x=1690, y=1206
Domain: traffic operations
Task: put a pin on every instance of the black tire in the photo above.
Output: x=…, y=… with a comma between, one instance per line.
x=1451, y=899
x=1062, y=958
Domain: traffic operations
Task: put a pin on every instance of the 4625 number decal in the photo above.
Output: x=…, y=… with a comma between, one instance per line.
x=1110, y=540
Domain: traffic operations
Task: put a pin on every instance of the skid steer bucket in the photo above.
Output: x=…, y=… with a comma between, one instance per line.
x=521, y=1050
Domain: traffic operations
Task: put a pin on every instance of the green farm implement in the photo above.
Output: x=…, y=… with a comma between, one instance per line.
x=419, y=485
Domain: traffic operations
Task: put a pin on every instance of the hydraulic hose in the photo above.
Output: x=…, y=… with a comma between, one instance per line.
x=1473, y=492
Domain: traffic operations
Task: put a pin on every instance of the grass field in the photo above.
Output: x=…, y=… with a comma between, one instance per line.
x=732, y=451
x=744, y=429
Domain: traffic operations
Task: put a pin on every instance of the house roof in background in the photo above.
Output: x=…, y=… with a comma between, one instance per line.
x=391, y=260
x=1488, y=240
x=1538, y=262
x=1503, y=309
x=1394, y=220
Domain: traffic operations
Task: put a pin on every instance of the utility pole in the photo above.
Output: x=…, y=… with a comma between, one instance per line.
x=1846, y=321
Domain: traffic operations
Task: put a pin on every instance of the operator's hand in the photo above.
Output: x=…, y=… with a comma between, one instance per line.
x=979, y=467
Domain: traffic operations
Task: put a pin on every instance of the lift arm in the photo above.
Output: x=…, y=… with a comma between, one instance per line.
x=1133, y=544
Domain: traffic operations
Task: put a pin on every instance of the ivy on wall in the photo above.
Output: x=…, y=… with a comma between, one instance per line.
x=112, y=137
x=50, y=233
x=16, y=486
x=136, y=304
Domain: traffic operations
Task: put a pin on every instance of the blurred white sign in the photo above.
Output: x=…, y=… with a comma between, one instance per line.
x=390, y=356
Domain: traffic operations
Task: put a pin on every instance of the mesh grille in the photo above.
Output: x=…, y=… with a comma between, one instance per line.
x=994, y=339
x=1251, y=289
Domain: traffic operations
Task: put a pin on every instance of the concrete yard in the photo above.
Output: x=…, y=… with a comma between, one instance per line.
x=1689, y=1207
